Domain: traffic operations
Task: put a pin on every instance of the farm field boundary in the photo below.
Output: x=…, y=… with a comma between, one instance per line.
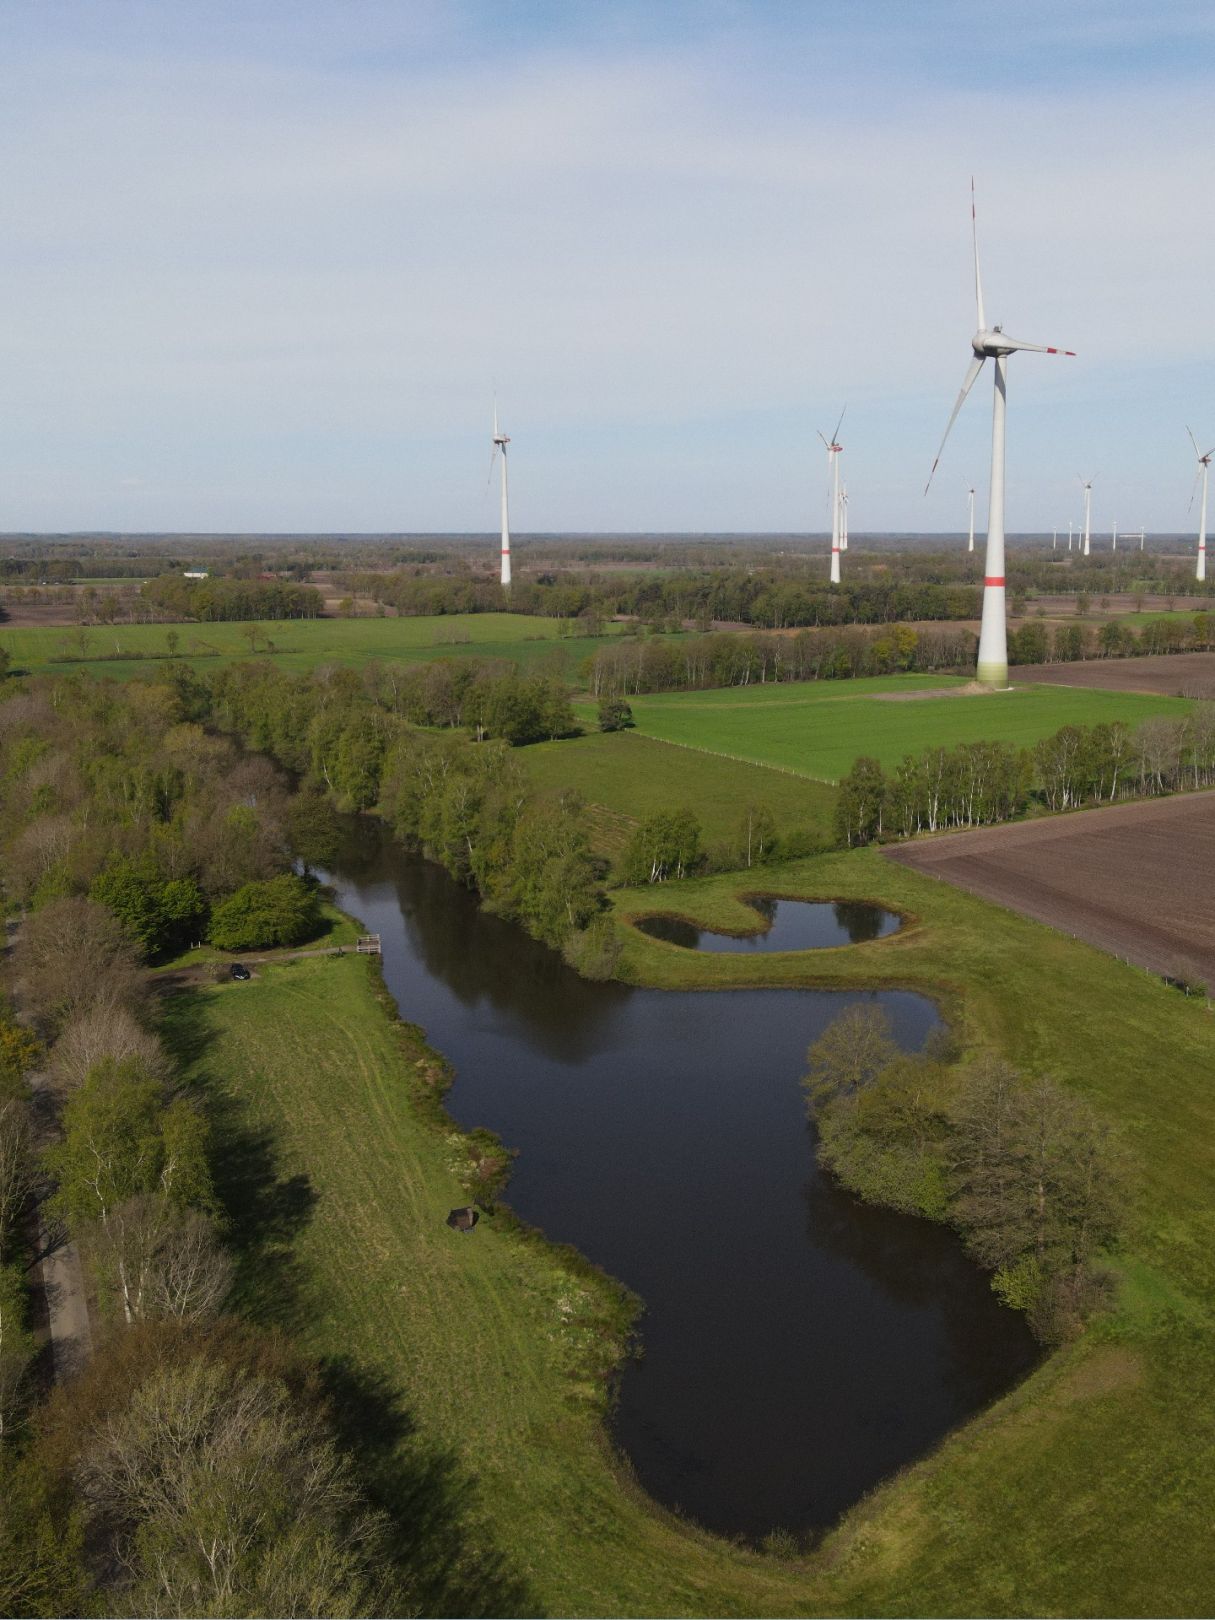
x=634, y=777
x=1163, y=674
x=818, y=729
x=123, y=650
x=1133, y=879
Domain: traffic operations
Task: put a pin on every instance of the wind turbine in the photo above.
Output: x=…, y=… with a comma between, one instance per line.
x=501, y=440
x=1069, y=533
x=991, y=343
x=1204, y=463
x=1114, y=536
x=844, y=518
x=1088, y=509
x=971, y=492
x=833, y=461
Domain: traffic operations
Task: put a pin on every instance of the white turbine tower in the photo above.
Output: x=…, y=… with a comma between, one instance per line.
x=1114, y=536
x=834, y=448
x=501, y=440
x=1204, y=465
x=1069, y=533
x=1088, y=510
x=970, y=491
x=991, y=343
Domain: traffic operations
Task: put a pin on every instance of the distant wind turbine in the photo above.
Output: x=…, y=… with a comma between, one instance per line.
x=501, y=440
x=991, y=343
x=844, y=518
x=834, y=448
x=1088, y=510
x=1069, y=533
x=1204, y=465
x=971, y=493
x=1114, y=536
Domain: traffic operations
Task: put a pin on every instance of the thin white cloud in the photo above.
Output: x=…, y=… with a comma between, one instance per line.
x=290, y=285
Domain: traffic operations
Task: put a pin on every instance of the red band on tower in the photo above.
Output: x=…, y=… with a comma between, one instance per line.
x=994, y=579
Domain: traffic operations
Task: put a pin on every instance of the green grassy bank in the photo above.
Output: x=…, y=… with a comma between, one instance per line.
x=1088, y=1490
x=818, y=728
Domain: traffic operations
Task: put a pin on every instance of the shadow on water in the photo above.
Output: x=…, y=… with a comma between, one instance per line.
x=798, y=1346
x=785, y=925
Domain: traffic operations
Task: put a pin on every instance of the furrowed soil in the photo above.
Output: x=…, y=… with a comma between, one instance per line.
x=1132, y=879
x=1190, y=675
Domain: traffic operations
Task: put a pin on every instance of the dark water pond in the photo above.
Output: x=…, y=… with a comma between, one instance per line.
x=798, y=1346
x=786, y=925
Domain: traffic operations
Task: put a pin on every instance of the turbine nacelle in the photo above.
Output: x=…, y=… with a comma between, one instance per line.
x=993, y=342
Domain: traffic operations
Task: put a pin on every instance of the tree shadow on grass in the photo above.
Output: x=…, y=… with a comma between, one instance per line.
x=445, y=1558
x=264, y=1209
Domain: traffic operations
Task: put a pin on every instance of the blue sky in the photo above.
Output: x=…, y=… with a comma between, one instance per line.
x=264, y=263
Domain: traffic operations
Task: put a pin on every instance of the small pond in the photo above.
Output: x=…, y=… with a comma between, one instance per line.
x=784, y=925
x=798, y=1346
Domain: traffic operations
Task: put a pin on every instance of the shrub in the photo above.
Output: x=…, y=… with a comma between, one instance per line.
x=279, y=911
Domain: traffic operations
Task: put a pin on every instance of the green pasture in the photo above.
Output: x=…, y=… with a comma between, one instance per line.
x=1088, y=1490
x=817, y=728
x=122, y=651
x=624, y=778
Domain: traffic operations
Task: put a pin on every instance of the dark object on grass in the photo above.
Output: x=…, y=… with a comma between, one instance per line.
x=240, y=971
x=463, y=1220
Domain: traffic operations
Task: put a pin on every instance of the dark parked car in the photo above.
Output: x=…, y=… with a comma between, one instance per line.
x=240, y=971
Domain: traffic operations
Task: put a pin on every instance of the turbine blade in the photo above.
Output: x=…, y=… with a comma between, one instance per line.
x=1033, y=348
x=974, y=232
x=1194, y=442
x=835, y=437
x=1209, y=454
x=976, y=366
x=489, y=477
x=1194, y=491
x=826, y=446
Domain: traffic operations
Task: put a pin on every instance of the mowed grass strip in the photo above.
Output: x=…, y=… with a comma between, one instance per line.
x=1088, y=1490
x=818, y=728
x=636, y=777
x=299, y=644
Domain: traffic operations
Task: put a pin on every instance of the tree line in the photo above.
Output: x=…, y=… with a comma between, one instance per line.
x=980, y=784
x=1027, y=1172
x=226, y=598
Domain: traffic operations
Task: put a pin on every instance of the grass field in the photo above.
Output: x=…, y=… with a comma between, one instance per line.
x=300, y=644
x=1088, y=1490
x=818, y=728
x=624, y=778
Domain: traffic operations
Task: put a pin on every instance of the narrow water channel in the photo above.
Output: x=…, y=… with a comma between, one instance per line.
x=798, y=1346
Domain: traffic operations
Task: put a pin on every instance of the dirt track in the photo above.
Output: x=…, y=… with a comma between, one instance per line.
x=1162, y=675
x=1137, y=880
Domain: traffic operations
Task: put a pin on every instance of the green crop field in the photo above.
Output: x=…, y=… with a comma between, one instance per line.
x=630, y=777
x=299, y=644
x=818, y=728
x=1088, y=1490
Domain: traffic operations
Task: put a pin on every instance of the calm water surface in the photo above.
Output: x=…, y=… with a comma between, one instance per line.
x=786, y=925
x=798, y=1346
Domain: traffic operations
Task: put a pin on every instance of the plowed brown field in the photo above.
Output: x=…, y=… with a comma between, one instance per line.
x=1137, y=880
x=1166, y=675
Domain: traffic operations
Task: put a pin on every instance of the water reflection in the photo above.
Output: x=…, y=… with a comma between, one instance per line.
x=798, y=1346
x=785, y=925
